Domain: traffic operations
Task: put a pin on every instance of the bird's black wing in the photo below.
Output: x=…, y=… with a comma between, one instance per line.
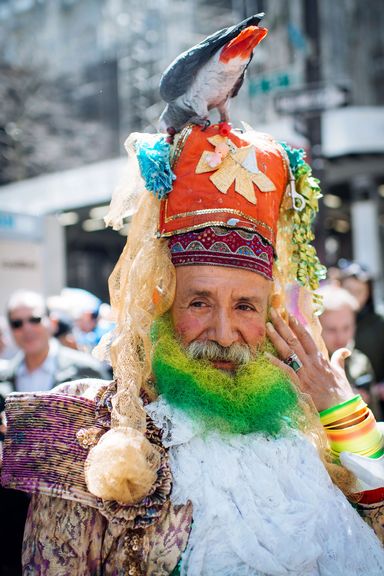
x=179, y=75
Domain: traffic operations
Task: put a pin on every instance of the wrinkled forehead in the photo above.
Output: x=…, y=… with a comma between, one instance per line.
x=338, y=316
x=221, y=279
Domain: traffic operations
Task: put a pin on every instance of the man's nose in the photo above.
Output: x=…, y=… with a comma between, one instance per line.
x=223, y=330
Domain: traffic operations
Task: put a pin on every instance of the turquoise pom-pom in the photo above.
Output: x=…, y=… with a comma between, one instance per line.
x=155, y=166
x=295, y=156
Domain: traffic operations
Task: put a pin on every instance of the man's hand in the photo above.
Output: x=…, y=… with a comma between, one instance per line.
x=325, y=381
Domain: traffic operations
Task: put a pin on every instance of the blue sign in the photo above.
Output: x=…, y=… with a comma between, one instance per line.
x=23, y=226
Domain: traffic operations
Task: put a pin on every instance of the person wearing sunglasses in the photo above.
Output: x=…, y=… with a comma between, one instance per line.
x=41, y=363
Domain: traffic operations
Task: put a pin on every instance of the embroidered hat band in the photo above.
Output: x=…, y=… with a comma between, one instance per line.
x=217, y=246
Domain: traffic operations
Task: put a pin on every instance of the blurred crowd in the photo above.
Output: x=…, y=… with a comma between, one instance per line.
x=44, y=342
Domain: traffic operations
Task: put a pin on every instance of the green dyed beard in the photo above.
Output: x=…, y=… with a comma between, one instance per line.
x=259, y=397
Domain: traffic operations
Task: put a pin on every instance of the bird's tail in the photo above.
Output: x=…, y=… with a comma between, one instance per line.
x=243, y=44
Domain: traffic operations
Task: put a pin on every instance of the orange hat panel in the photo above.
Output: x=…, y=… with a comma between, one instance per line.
x=224, y=178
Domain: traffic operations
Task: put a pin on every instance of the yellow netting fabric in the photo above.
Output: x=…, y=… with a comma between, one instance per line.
x=141, y=287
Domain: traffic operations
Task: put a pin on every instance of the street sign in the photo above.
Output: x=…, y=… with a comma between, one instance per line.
x=269, y=82
x=14, y=225
x=312, y=99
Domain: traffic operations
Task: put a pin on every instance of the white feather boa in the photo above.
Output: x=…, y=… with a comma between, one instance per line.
x=262, y=506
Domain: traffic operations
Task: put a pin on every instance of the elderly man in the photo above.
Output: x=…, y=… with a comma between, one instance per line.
x=42, y=362
x=338, y=322
x=206, y=456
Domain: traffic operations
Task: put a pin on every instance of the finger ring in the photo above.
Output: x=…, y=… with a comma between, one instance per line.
x=294, y=362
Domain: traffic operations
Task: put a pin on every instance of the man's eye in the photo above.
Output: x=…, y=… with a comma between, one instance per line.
x=245, y=307
x=198, y=304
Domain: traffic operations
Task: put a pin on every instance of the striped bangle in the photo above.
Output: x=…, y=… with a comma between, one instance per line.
x=351, y=427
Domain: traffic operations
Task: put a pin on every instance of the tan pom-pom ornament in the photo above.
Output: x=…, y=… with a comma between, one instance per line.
x=122, y=466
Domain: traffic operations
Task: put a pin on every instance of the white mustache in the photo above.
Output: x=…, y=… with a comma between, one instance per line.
x=211, y=350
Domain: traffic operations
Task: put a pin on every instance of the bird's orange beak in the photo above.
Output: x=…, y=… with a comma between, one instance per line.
x=243, y=44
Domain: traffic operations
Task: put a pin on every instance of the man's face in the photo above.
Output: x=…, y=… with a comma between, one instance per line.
x=87, y=321
x=33, y=334
x=223, y=305
x=338, y=328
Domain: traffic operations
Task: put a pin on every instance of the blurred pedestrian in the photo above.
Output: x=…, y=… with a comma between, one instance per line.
x=338, y=322
x=370, y=325
x=63, y=331
x=42, y=362
x=90, y=327
x=333, y=275
x=88, y=316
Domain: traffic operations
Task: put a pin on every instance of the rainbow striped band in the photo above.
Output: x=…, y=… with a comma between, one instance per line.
x=342, y=410
x=351, y=427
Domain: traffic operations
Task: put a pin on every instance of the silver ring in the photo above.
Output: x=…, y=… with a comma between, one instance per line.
x=294, y=362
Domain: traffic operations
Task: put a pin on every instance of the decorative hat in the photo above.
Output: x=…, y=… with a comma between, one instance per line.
x=225, y=178
x=244, y=180
x=239, y=180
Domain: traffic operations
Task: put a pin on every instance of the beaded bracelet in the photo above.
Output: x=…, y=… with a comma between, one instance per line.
x=351, y=427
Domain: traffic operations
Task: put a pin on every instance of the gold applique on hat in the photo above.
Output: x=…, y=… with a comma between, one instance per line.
x=236, y=164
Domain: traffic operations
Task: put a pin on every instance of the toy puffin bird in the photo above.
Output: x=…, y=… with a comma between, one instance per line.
x=207, y=75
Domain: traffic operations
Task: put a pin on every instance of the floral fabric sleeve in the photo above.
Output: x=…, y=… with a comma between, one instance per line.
x=373, y=514
x=62, y=537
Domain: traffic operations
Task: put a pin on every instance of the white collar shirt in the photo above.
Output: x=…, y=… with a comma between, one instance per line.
x=42, y=378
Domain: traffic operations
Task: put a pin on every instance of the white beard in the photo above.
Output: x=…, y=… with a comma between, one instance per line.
x=262, y=506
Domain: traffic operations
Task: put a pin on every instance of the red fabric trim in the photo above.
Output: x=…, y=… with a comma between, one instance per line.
x=375, y=496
